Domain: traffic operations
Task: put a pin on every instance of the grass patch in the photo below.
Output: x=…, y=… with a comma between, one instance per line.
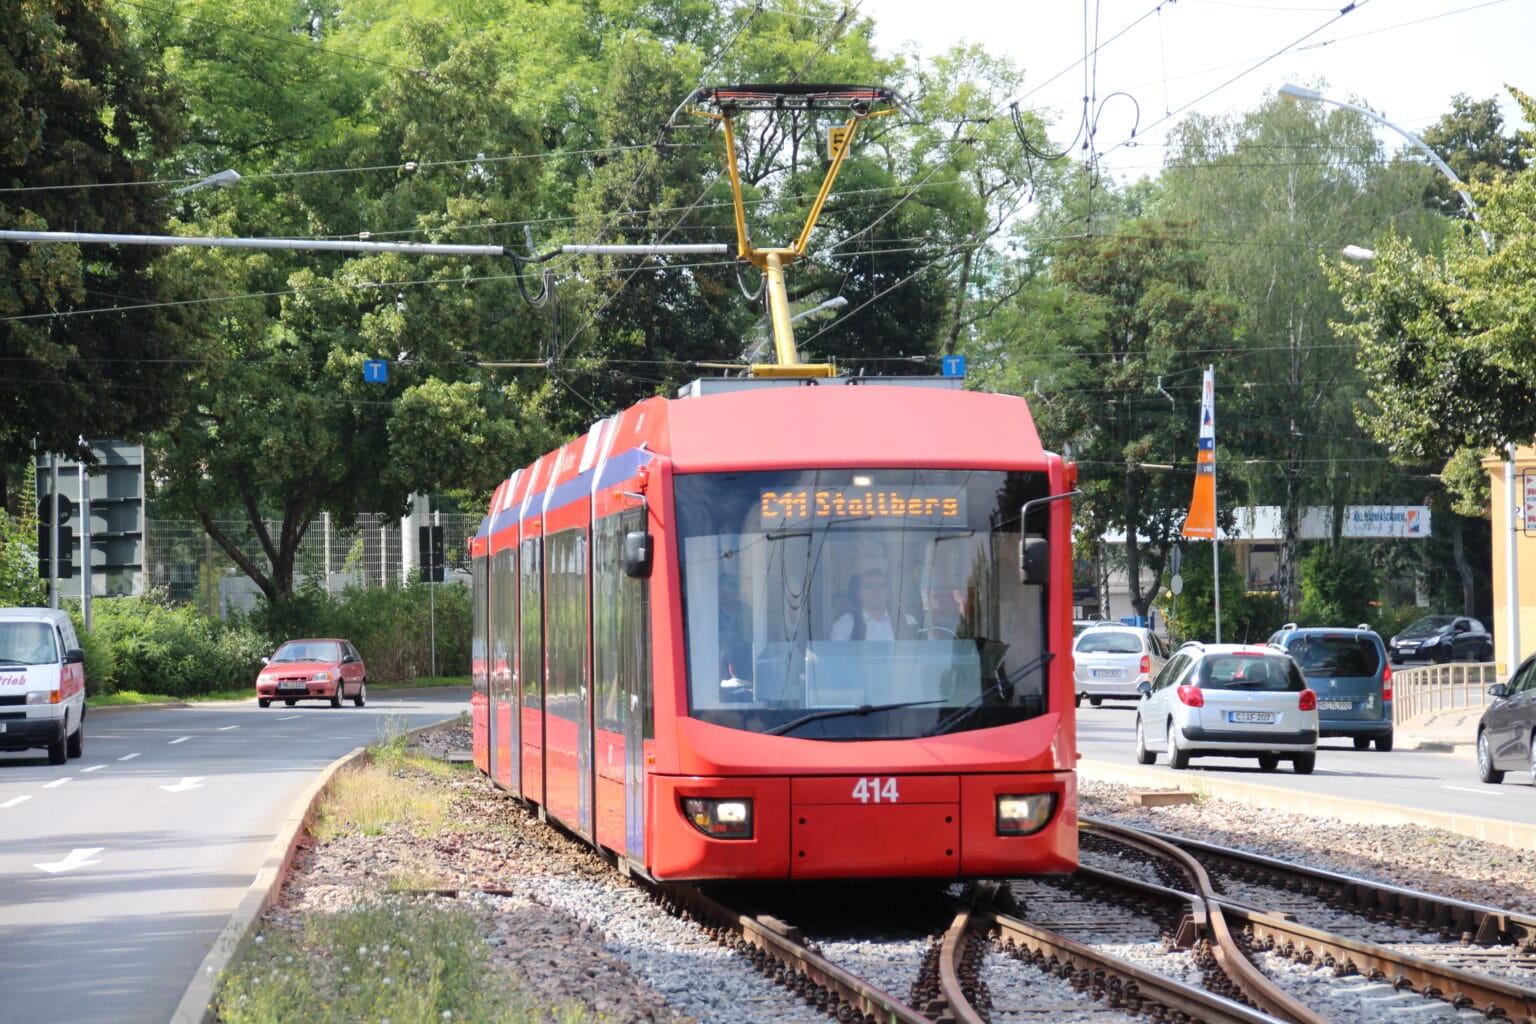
x=406, y=961
x=369, y=798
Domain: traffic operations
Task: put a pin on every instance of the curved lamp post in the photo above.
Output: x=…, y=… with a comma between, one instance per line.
x=1297, y=93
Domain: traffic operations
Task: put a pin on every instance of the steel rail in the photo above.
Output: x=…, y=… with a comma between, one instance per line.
x=782, y=944
x=1482, y=924
x=952, y=956
x=1253, y=983
x=1127, y=984
x=1493, y=997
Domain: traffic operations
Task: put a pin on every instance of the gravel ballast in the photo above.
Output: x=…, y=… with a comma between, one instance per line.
x=565, y=927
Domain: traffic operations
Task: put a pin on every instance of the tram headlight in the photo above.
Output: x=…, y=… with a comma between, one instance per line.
x=720, y=819
x=1024, y=815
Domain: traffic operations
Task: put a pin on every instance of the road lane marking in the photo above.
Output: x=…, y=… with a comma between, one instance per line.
x=289, y=718
x=180, y=739
x=187, y=782
x=54, y=784
x=92, y=768
x=1480, y=792
x=76, y=859
x=13, y=801
x=128, y=757
x=226, y=728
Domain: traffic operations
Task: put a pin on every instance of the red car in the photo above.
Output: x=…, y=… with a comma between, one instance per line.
x=313, y=670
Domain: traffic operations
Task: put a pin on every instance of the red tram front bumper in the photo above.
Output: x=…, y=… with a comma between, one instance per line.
x=899, y=826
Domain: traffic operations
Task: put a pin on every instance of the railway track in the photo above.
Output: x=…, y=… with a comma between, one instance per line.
x=1488, y=970
x=1178, y=931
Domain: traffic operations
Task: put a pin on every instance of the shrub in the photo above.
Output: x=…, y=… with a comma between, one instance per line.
x=1338, y=587
x=392, y=627
x=142, y=644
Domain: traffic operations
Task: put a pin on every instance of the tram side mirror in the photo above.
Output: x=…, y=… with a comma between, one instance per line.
x=637, y=554
x=1034, y=561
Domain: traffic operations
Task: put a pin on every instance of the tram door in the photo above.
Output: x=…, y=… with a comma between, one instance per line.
x=635, y=684
x=503, y=686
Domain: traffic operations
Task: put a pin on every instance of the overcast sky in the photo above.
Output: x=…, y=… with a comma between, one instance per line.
x=1403, y=58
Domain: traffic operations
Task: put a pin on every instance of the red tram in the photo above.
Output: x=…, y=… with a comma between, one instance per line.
x=788, y=629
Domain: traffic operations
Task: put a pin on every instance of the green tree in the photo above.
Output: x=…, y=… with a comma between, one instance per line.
x=1446, y=340
x=86, y=349
x=1121, y=315
x=1471, y=139
x=1338, y=586
x=283, y=427
x=1246, y=617
x=20, y=585
x=1270, y=189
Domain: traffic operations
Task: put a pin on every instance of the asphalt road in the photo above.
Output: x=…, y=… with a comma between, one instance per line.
x=1406, y=778
x=118, y=870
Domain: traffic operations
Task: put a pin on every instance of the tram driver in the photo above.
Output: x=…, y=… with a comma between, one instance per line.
x=875, y=617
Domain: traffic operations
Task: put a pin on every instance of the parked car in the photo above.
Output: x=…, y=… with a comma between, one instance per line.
x=316, y=669
x=1111, y=660
x=1442, y=638
x=1350, y=671
x=1506, y=734
x=1228, y=700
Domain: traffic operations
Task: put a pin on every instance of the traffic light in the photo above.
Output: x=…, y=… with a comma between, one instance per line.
x=45, y=550
x=45, y=508
x=429, y=549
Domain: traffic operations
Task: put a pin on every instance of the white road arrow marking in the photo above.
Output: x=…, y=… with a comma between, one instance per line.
x=187, y=782
x=13, y=801
x=77, y=859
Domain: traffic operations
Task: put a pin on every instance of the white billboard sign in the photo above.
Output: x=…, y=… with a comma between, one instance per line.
x=1410, y=521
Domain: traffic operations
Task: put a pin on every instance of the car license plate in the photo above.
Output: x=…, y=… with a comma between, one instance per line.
x=1335, y=705
x=292, y=686
x=1254, y=717
x=1106, y=673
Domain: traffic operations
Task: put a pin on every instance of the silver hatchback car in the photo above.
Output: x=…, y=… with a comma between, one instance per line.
x=1111, y=660
x=1228, y=700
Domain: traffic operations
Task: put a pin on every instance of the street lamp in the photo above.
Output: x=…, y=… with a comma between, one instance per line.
x=836, y=302
x=1295, y=94
x=218, y=180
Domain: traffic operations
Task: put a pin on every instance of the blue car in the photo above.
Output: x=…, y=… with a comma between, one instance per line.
x=1352, y=675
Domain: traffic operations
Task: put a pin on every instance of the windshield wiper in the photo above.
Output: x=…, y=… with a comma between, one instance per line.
x=1004, y=683
x=863, y=709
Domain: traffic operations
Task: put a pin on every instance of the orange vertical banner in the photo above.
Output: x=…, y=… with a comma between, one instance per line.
x=1201, y=521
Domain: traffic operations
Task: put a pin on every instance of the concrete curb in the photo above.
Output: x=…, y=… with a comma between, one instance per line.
x=1519, y=835
x=196, y=1006
x=112, y=709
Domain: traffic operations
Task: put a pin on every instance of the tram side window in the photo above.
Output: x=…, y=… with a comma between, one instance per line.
x=566, y=572
x=531, y=623
x=607, y=614
x=480, y=664
x=503, y=627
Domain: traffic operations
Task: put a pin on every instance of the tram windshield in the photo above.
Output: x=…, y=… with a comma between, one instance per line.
x=860, y=604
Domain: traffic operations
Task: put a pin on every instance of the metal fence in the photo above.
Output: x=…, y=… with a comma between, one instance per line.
x=377, y=550
x=1419, y=691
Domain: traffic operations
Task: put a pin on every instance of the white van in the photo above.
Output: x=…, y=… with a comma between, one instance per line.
x=42, y=683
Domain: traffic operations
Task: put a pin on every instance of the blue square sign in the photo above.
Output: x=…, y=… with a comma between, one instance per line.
x=375, y=371
x=953, y=366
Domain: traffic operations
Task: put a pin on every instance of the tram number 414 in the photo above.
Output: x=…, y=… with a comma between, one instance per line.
x=876, y=790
